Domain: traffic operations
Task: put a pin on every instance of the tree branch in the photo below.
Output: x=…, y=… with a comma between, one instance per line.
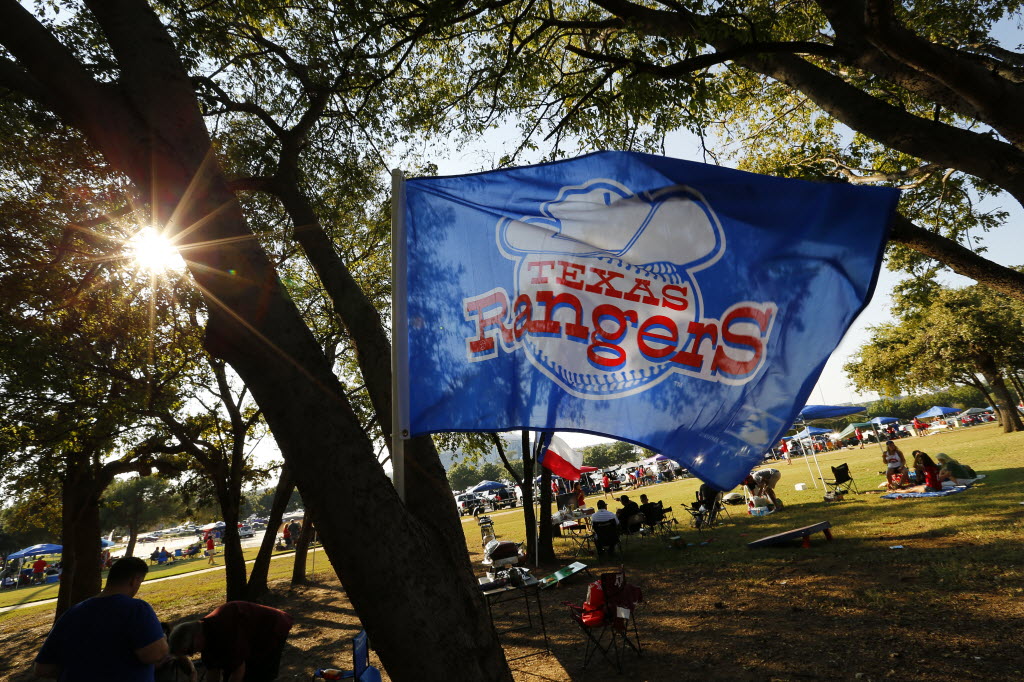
x=959, y=258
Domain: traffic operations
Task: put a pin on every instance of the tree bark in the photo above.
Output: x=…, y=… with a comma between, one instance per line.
x=982, y=389
x=545, y=549
x=234, y=560
x=529, y=516
x=133, y=536
x=301, y=552
x=257, y=586
x=1018, y=388
x=80, y=534
x=428, y=623
x=1009, y=416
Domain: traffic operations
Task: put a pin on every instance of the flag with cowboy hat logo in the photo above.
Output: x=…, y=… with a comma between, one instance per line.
x=684, y=307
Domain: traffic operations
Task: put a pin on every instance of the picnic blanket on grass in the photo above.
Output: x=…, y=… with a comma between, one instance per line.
x=939, y=493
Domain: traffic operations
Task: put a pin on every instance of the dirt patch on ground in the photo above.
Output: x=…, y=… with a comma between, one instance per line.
x=805, y=614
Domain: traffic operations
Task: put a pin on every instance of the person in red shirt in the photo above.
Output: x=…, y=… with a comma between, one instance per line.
x=581, y=498
x=211, y=550
x=860, y=437
x=38, y=566
x=239, y=640
x=606, y=483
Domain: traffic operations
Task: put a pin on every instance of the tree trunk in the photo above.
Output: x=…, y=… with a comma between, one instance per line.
x=80, y=535
x=301, y=551
x=133, y=536
x=545, y=549
x=529, y=516
x=1018, y=388
x=257, y=586
x=1009, y=417
x=982, y=389
x=234, y=560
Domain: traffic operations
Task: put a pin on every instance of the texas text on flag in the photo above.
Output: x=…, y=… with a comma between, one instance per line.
x=683, y=307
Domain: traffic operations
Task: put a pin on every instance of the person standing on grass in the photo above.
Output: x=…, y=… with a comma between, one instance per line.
x=211, y=550
x=111, y=636
x=606, y=483
x=239, y=641
x=860, y=437
x=38, y=568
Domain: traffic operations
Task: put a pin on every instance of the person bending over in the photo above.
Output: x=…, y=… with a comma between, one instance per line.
x=111, y=636
x=762, y=483
x=238, y=641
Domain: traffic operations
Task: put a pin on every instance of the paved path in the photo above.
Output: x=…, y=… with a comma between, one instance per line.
x=189, y=574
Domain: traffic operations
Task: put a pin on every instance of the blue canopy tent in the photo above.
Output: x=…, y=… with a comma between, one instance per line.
x=937, y=411
x=37, y=550
x=811, y=431
x=484, y=486
x=812, y=413
x=884, y=420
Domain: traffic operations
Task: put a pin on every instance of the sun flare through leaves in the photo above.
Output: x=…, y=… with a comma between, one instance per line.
x=153, y=252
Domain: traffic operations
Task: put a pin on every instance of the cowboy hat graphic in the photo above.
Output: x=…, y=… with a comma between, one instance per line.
x=603, y=218
x=660, y=237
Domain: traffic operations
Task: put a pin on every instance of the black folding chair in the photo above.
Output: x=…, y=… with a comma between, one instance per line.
x=706, y=511
x=606, y=537
x=842, y=481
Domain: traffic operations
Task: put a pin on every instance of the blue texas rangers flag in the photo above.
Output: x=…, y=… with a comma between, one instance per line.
x=683, y=307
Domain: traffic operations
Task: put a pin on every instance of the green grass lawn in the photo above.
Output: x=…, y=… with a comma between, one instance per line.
x=987, y=517
x=25, y=595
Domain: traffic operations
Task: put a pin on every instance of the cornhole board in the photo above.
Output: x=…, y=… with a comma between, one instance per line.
x=803, y=534
x=560, y=575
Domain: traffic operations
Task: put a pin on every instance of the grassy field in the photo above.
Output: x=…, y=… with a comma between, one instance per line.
x=947, y=606
x=26, y=595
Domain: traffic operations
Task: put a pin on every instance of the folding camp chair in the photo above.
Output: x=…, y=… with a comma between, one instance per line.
x=657, y=517
x=706, y=511
x=361, y=671
x=605, y=621
x=842, y=481
x=606, y=537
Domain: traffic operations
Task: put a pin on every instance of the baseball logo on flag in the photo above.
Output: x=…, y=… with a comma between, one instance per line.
x=605, y=300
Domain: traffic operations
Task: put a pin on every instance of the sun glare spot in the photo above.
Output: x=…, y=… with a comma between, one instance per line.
x=154, y=252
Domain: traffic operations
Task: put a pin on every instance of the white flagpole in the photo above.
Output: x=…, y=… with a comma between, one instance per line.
x=399, y=334
x=810, y=474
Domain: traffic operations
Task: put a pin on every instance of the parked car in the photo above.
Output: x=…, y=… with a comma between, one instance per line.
x=467, y=502
x=246, y=532
x=149, y=537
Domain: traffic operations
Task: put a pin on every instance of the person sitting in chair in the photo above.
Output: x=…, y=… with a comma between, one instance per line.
x=629, y=520
x=602, y=516
x=896, y=466
x=652, y=511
